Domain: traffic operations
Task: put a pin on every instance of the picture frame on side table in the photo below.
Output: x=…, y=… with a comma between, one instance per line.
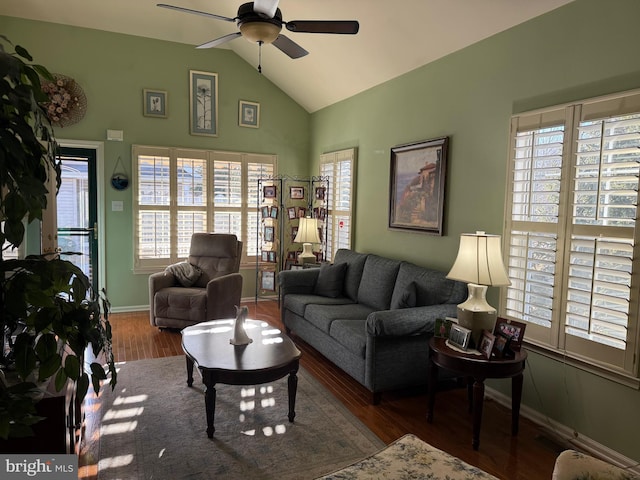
x=486, y=344
x=155, y=103
x=418, y=174
x=511, y=329
x=203, y=103
x=442, y=328
x=459, y=336
x=249, y=114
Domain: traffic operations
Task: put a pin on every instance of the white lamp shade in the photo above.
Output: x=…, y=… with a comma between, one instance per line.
x=479, y=261
x=307, y=231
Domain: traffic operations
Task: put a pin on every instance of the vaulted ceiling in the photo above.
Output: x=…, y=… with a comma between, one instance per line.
x=395, y=36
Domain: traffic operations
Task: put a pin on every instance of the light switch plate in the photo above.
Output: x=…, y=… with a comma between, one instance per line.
x=117, y=205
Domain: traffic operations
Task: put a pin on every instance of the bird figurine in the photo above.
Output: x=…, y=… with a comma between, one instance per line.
x=239, y=335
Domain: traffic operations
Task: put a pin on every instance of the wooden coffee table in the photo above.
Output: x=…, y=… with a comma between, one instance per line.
x=271, y=356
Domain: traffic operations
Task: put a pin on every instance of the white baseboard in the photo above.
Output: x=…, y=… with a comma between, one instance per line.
x=141, y=308
x=567, y=435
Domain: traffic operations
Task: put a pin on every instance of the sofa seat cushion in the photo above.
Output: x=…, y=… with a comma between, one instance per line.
x=351, y=335
x=181, y=303
x=378, y=279
x=297, y=302
x=322, y=316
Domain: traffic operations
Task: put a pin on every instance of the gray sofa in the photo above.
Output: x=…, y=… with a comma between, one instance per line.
x=370, y=315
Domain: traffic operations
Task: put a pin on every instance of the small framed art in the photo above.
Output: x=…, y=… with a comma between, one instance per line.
x=203, y=102
x=268, y=280
x=486, y=344
x=511, y=329
x=269, y=233
x=296, y=193
x=291, y=211
x=273, y=212
x=249, y=114
x=155, y=103
x=442, y=328
x=269, y=191
x=459, y=336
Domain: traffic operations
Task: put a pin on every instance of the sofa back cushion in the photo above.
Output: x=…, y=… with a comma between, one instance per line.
x=430, y=287
x=378, y=278
x=353, y=274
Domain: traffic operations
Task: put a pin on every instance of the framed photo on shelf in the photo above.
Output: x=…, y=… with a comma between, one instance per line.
x=268, y=280
x=155, y=103
x=486, y=344
x=264, y=256
x=511, y=329
x=269, y=234
x=302, y=211
x=291, y=211
x=203, y=103
x=418, y=174
x=269, y=191
x=249, y=114
x=273, y=212
x=296, y=193
x=271, y=256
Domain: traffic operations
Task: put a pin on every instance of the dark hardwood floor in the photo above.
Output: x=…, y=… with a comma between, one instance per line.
x=530, y=455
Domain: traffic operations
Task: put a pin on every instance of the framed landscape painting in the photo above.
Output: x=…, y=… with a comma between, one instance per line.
x=416, y=192
x=203, y=101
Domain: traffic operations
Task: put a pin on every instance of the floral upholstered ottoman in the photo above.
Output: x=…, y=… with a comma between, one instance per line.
x=409, y=458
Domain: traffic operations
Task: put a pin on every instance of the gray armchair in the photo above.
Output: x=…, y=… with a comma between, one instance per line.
x=215, y=293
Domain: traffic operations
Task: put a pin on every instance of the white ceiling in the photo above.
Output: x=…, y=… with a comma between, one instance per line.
x=395, y=36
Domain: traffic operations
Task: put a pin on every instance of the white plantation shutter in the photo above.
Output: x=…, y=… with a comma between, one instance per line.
x=179, y=192
x=339, y=167
x=571, y=241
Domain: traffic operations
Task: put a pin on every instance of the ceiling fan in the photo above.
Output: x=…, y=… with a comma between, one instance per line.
x=261, y=21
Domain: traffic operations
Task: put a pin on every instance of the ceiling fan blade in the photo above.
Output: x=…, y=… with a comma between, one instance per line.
x=347, y=27
x=197, y=12
x=266, y=7
x=288, y=46
x=220, y=41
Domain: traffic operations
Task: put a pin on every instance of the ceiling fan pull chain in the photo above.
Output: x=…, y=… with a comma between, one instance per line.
x=260, y=57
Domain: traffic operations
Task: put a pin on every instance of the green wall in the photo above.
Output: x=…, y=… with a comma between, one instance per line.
x=113, y=69
x=587, y=48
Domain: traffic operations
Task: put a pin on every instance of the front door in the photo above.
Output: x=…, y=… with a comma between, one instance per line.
x=77, y=210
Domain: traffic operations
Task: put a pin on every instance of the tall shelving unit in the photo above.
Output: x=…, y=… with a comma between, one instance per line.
x=282, y=201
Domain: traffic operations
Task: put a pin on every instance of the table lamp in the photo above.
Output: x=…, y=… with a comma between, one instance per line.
x=307, y=235
x=479, y=264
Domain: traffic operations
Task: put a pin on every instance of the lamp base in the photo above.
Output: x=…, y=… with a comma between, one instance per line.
x=476, y=314
x=306, y=256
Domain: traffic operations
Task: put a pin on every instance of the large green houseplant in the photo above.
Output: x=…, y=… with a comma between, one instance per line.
x=49, y=314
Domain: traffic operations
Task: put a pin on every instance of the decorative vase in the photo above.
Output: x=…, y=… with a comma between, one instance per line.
x=240, y=336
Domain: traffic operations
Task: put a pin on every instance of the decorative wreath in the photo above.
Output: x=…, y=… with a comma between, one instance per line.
x=67, y=102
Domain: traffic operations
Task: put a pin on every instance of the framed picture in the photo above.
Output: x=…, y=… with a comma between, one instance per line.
x=302, y=211
x=268, y=280
x=501, y=346
x=269, y=233
x=264, y=212
x=486, y=344
x=273, y=212
x=269, y=191
x=155, y=103
x=249, y=114
x=442, y=328
x=294, y=232
x=418, y=173
x=296, y=193
x=511, y=329
x=320, y=193
x=459, y=336
x=265, y=256
x=288, y=264
x=271, y=256
x=203, y=102
x=291, y=211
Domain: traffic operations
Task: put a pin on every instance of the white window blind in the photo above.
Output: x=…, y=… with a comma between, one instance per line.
x=179, y=192
x=339, y=167
x=571, y=240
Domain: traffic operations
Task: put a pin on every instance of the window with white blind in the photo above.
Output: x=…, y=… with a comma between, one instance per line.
x=571, y=236
x=178, y=192
x=340, y=168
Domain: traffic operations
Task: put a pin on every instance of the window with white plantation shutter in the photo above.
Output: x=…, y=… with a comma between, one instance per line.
x=339, y=168
x=571, y=236
x=179, y=192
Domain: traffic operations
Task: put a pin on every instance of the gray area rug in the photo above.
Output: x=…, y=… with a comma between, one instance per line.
x=154, y=427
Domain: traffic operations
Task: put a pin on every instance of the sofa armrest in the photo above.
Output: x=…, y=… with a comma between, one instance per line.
x=298, y=281
x=223, y=296
x=407, y=321
x=158, y=281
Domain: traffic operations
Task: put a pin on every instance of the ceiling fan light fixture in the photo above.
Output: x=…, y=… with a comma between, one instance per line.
x=265, y=32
